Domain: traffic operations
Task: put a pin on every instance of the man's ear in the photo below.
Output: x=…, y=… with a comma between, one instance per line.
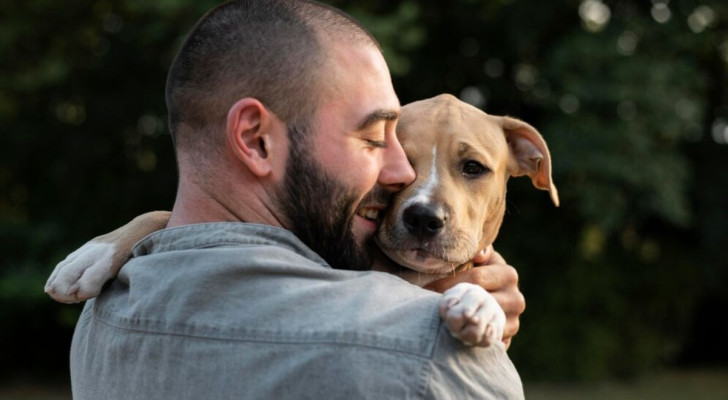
x=531, y=155
x=249, y=128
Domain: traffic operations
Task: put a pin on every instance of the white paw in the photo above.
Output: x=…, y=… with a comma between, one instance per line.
x=82, y=274
x=472, y=315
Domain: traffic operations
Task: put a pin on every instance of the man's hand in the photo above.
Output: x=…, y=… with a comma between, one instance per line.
x=493, y=274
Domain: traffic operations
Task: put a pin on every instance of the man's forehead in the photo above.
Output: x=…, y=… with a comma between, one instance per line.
x=356, y=86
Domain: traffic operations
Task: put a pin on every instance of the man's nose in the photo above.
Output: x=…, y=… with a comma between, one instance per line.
x=397, y=173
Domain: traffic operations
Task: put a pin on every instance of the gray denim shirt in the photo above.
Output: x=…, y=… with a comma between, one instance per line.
x=245, y=311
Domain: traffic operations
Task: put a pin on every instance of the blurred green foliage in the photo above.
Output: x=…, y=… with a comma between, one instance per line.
x=625, y=277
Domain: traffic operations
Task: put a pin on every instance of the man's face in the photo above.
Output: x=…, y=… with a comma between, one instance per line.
x=318, y=207
x=341, y=177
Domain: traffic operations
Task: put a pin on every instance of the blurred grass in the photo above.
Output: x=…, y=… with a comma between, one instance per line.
x=29, y=390
x=669, y=385
x=703, y=384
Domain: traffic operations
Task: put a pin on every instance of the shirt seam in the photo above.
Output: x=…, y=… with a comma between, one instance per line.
x=244, y=231
x=423, y=355
x=427, y=367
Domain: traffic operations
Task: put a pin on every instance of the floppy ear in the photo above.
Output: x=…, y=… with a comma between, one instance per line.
x=530, y=154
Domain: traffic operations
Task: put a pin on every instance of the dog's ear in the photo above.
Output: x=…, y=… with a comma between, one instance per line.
x=531, y=155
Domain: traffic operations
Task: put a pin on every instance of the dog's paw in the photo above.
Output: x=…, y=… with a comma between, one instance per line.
x=82, y=274
x=472, y=315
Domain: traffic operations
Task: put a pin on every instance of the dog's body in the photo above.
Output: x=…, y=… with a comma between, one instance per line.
x=463, y=158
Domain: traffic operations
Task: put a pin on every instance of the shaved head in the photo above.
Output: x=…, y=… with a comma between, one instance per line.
x=271, y=50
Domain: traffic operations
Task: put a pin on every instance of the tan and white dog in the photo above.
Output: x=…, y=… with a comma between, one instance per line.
x=463, y=158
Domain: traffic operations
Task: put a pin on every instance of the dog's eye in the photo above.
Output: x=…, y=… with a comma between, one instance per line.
x=473, y=169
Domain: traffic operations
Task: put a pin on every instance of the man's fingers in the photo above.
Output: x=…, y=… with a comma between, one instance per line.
x=443, y=284
x=483, y=256
x=494, y=277
x=489, y=277
x=511, y=328
x=512, y=302
x=496, y=258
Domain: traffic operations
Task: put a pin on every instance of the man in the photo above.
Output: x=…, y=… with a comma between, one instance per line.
x=283, y=116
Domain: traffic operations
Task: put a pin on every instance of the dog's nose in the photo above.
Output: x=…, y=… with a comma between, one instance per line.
x=424, y=221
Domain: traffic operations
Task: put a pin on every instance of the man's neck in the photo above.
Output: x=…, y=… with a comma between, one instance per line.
x=195, y=205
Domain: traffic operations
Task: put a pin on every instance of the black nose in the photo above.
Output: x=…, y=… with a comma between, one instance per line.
x=424, y=221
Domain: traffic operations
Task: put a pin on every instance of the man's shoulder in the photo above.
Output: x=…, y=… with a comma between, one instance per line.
x=271, y=293
x=258, y=297
x=240, y=312
x=472, y=372
x=223, y=235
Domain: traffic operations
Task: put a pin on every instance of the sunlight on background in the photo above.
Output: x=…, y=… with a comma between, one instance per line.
x=595, y=15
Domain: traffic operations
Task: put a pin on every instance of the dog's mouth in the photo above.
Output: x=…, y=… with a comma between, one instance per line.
x=421, y=259
x=439, y=255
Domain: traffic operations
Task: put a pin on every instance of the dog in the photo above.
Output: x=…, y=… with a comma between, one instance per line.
x=463, y=158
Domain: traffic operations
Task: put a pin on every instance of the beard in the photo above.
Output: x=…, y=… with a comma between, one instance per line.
x=320, y=209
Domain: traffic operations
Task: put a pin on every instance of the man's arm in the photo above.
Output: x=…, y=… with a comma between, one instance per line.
x=82, y=274
x=493, y=274
x=460, y=372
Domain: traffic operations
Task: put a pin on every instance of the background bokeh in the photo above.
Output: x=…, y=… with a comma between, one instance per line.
x=626, y=278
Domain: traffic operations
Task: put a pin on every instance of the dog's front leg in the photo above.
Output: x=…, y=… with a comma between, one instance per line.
x=472, y=315
x=82, y=274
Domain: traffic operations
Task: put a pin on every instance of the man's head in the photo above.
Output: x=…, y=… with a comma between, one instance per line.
x=284, y=113
x=269, y=50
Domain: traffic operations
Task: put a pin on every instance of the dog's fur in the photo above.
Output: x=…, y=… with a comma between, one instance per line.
x=463, y=158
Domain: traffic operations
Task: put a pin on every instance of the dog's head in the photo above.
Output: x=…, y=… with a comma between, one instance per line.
x=463, y=158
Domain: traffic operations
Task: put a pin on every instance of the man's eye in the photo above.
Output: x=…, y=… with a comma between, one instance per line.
x=381, y=144
x=473, y=169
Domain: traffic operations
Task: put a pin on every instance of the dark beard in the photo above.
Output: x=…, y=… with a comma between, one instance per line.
x=320, y=210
